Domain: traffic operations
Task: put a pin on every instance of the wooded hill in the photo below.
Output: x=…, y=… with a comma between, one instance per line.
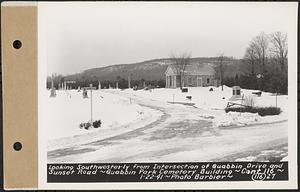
x=263, y=67
x=147, y=70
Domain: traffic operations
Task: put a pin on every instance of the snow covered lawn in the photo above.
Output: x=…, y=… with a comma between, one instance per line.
x=68, y=109
x=147, y=127
x=215, y=102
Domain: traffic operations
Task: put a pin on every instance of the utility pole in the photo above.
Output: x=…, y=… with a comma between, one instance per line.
x=276, y=99
x=91, y=88
x=277, y=89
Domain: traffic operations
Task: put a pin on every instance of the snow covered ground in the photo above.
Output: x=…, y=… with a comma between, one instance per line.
x=147, y=126
x=203, y=98
x=215, y=102
x=68, y=109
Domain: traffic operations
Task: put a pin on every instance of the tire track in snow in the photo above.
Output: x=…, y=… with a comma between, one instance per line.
x=146, y=132
x=86, y=147
x=166, y=111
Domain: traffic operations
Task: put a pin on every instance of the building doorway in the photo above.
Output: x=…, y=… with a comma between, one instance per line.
x=199, y=82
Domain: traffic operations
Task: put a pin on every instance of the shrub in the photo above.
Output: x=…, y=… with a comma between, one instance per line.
x=262, y=111
x=249, y=101
x=85, y=125
x=184, y=90
x=97, y=123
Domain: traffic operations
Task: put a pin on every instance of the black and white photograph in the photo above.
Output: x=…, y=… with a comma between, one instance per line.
x=166, y=82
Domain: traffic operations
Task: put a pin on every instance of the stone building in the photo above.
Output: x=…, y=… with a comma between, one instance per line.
x=195, y=75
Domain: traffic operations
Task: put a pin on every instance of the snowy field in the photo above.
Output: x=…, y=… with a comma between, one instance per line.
x=216, y=101
x=145, y=126
x=68, y=109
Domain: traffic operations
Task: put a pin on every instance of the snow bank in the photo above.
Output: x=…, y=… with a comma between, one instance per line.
x=242, y=119
x=234, y=118
x=68, y=109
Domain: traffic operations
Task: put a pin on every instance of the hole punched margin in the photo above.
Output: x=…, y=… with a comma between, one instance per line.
x=17, y=44
x=17, y=146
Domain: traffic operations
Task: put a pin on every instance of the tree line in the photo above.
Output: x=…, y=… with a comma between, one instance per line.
x=264, y=65
x=58, y=80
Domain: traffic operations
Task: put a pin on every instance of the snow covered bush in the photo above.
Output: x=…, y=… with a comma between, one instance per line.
x=85, y=125
x=97, y=124
x=262, y=111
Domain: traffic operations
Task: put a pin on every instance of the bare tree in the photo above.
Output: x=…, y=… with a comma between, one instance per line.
x=251, y=63
x=180, y=63
x=262, y=52
x=251, y=57
x=279, y=48
x=261, y=43
x=261, y=47
x=220, y=68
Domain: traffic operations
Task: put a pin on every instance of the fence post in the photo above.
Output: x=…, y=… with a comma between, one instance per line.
x=276, y=99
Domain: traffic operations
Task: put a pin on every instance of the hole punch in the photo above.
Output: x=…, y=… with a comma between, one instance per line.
x=17, y=146
x=17, y=44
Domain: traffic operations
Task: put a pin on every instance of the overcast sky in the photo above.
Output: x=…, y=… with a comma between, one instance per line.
x=82, y=36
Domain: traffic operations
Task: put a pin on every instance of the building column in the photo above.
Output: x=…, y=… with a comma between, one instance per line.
x=175, y=81
x=166, y=81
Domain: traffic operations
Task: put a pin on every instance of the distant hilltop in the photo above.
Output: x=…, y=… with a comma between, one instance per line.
x=147, y=70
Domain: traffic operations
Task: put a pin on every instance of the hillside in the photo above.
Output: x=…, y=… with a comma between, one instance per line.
x=148, y=70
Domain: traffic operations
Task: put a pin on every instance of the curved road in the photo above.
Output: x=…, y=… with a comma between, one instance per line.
x=182, y=133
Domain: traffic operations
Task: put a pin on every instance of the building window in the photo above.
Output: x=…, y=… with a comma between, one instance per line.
x=207, y=80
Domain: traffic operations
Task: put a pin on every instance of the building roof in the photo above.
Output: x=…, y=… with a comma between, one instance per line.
x=193, y=69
